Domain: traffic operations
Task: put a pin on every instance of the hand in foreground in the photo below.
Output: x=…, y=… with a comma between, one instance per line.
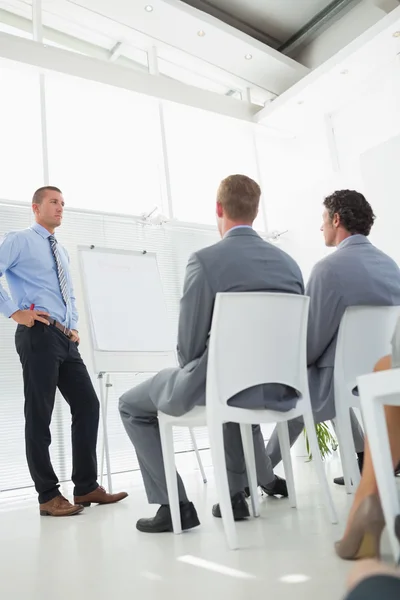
x=28, y=317
x=74, y=337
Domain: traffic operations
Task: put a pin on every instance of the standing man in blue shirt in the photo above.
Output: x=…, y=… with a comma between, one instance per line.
x=43, y=304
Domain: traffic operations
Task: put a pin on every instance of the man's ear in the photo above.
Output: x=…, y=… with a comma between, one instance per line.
x=219, y=210
x=336, y=220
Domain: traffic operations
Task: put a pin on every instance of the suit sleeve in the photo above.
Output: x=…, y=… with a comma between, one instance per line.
x=9, y=254
x=376, y=586
x=326, y=311
x=195, y=315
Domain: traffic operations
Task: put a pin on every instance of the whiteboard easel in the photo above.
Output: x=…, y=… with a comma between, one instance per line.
x=117, y=286
x=128, y=323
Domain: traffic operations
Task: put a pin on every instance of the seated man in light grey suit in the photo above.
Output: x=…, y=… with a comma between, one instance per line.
x=240, y=262
x=356, y=274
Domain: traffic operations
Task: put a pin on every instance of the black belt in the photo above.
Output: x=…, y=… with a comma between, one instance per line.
x=67, y=332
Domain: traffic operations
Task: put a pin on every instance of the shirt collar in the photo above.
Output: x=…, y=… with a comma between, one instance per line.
x=353, y=240
x=41, y=231
x=238, y=227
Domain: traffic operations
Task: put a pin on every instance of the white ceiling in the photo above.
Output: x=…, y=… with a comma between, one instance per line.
x=215, y=61
x=279, y=19
x=345, y=77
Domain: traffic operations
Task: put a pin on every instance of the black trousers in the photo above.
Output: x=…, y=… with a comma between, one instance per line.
x=50, y=360
x=377, y=587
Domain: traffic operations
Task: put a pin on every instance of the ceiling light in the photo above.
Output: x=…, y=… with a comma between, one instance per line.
x=201, y=33
x=396, y=34
x=148, y=8
x=248, y=56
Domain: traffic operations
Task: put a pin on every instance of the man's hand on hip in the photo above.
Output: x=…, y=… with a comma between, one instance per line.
x=28, y=317
x=74, y=337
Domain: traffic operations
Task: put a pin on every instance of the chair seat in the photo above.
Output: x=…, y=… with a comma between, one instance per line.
x=195, y=417
x=198, y=416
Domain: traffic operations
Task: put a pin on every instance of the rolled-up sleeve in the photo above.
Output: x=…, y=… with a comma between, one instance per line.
x=9, y=253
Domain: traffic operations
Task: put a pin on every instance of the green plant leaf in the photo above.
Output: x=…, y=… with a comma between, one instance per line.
x=326, y=441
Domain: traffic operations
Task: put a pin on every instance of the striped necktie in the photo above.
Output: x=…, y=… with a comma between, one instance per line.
x=60, y=271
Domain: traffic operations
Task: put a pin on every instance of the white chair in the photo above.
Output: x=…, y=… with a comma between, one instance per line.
x=255, y=338
x=376, y=391
x=364, y=337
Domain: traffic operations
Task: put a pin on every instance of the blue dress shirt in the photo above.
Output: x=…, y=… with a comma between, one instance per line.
x=27, y=262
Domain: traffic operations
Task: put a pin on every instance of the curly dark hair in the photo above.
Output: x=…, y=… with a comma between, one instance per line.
x=355, y=213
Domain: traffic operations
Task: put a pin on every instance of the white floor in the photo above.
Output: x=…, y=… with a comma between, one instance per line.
x=100, y=555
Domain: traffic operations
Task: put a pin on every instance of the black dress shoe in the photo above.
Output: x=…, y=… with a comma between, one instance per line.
x=360, y=460
x=162, y=521
x=239, y=507
x=277, y=488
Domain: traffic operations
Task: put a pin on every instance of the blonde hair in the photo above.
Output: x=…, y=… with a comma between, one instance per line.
x=239, y=196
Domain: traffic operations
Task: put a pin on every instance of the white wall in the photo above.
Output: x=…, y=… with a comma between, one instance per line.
x=298, y=173
x=366, y=133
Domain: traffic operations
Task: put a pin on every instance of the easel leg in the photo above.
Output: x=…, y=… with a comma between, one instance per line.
x=195, y=448
x=104, y=388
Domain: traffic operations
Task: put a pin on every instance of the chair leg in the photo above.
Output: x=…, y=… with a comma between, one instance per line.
x=248, y=450
x=167, y=445
x=375, y=423
x=319, y=466
x=216, y=438
x=196, y=450
x=343, y=457
x=346, y=445
x=284, y=442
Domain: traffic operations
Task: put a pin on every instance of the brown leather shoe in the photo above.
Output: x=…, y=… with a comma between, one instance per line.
x=59, y=507
x=99, y=496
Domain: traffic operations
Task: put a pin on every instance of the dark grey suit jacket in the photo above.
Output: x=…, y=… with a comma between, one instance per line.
x=356, y=274
x=376, y=587
x=241, y=262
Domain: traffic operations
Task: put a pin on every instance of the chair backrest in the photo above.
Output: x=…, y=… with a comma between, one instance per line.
x=257, y=338
x=364, y=336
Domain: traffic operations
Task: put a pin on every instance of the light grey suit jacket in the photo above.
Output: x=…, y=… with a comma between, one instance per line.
x=241, y=262
x=357, y=273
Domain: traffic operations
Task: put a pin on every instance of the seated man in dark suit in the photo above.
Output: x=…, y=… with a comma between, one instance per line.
x=240, y=262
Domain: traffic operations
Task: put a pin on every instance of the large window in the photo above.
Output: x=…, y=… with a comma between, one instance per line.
x=297, y=175
x=203, y=148
x=20, y=134
x=104, y=146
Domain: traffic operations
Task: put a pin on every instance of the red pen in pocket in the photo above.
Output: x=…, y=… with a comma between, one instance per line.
x=32, y=306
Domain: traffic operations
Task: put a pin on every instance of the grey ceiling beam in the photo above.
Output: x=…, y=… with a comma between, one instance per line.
x=324, y=19
x=225, y=17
